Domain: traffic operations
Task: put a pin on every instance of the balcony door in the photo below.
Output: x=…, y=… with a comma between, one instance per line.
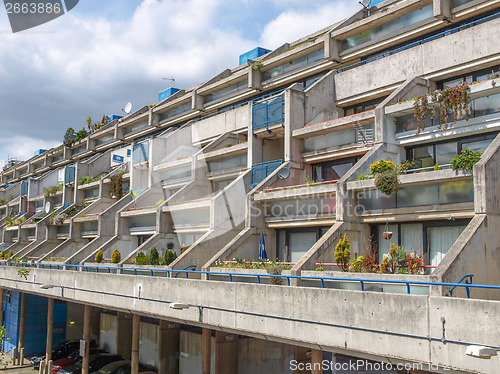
x=440, y=240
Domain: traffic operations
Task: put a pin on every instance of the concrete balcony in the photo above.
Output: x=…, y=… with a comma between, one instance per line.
x=378, y=330
x=429, y=195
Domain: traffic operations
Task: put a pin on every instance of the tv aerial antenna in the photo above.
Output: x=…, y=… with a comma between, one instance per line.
x=128, y=108
x=171, y=80
x=366, y=5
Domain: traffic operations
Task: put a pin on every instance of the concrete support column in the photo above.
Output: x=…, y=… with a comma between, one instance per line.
x=226, y=353
x=136, y=331
x=169, y=338
x=300, y=356
x=317, y=361
x=95, y=322
x=86, y=337
x=332, y=48
x=50, y=329
x=124, y=335
x=206, y=350
x=22, y=322
x=442, y=9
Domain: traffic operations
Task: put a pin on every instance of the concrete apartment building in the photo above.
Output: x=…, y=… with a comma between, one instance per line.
x=277, y=148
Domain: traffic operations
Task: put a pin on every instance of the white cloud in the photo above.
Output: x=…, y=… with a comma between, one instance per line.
x=56, y=75
x=22, y=147
x=295, y=24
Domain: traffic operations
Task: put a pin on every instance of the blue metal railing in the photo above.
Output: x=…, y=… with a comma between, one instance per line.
x=268, y=112
x=171, y=274
x=464, y=278
x=262, y=171
x=226, y=109
x=190, y=267
x=422, y=41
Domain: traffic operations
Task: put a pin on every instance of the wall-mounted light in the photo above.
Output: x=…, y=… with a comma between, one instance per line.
x=178, y=306
x=479, y=351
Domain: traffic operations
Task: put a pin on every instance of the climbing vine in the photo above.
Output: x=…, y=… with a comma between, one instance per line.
x=455, y=99
x=116, y=185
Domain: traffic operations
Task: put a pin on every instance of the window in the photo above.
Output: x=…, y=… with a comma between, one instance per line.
x=393, y=25
x=363, y=107
x=433, y=239
x=293, y=65
x=440, y=240
x=443, y=152
x=293, y=244
x=219, y=185
x=332, y=170
x=477, y=76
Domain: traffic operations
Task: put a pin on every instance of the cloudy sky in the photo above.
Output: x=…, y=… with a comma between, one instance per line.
x=104, y=53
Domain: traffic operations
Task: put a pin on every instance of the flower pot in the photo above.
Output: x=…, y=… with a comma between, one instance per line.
x=387, y=235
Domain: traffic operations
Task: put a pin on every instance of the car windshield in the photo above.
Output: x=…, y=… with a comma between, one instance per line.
x=74, y=355
x=60, y=344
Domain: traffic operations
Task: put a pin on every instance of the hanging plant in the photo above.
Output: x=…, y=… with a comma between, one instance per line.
x=387, y=182
x=454, y=99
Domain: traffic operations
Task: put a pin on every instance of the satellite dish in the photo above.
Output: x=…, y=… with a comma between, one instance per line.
x=47, y=207
x=128, y=108
x=284, y=173
x=365, y=3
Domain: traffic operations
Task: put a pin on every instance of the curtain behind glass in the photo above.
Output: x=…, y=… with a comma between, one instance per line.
x=440, y=241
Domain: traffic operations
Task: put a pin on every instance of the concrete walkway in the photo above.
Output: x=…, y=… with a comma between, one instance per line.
x=7, y=367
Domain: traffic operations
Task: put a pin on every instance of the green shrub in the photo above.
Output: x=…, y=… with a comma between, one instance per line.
x=87, y=180
x=361, y=177
x=116, y=256
x=51, y=190
x=387, y=182
x=10, y=254
x=99, y=256
x=319, y=268
x=342, y=253
x=407, y=165
x=154, y=257
x=169, y=257
x=466, y=159
x=2, y=255
x=357, y=264
x=141, y=259
x=381, y=166
x=437, y=167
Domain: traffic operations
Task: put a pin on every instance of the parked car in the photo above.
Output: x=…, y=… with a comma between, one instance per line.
x=60, y=350
x=73, y=358
x=96, y=362
x=123, y=367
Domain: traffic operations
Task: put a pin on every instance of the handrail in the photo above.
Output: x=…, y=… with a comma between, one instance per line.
x=169, y=272
x=450, y=291
x=193, y=267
